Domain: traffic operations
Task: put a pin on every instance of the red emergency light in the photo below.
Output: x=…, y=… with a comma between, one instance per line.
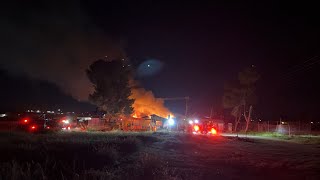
x=196, y=128
x=213, y=131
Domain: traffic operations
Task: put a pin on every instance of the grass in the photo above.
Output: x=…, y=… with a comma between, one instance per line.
x=67, y=155
x=303, y=139
x=159, y=155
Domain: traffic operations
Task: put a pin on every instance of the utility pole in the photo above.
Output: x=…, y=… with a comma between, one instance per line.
x=180, y=98
x=211, y=111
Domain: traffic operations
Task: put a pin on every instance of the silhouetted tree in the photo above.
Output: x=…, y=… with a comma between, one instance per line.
x=110, y=80
x=241, y=96
x=231, y=100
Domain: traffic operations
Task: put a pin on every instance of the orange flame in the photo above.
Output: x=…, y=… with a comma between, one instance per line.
x=146, y=104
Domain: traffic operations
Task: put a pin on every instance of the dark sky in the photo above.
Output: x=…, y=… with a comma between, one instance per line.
x=200, y=46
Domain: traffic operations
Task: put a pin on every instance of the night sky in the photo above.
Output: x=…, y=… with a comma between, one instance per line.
x=193, y=49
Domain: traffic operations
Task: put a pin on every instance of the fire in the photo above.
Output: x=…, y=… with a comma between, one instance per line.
x=146, y=104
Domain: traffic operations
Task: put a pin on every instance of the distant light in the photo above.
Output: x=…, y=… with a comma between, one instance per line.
x=3, y=115
x=33, y=127
x=282, y=122
x=190, y=122
x=66, y=121
x=148, y=65
x=311, y=122
x=25, y=121
x=196, y=121
x=38, y=111
x=171, y=122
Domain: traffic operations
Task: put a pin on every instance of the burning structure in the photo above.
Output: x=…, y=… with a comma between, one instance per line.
x=146, y=104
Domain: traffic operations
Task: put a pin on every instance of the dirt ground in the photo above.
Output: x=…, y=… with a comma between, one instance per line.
x=154, y=156
x=239, y=158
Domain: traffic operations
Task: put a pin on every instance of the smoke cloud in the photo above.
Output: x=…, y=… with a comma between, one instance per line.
x=54, y=42
x=57, y=42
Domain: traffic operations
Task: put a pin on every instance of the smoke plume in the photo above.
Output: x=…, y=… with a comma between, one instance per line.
x=57, y=42
x=54, y=42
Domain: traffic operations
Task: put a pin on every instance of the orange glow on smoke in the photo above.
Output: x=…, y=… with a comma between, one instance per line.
x=146, y=104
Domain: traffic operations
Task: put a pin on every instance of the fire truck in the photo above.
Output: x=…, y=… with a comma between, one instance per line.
x=202, y=127
x=40, y=122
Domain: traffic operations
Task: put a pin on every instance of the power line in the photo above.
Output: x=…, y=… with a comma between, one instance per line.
x=304, y=67
x=299, y=65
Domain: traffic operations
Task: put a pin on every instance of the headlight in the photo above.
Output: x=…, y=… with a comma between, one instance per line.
x=66, y=121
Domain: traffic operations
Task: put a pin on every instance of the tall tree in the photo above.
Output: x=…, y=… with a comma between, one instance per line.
x=110, y=80
x=231, y=100
x=248, y=78
x=241, y=96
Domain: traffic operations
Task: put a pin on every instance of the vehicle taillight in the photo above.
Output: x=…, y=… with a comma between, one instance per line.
x=213, y=131
x=196, y=128
x=33, y=127
x=25, y=120
x=48, y=127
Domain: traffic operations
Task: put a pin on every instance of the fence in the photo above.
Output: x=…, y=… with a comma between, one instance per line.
x=282, y=127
